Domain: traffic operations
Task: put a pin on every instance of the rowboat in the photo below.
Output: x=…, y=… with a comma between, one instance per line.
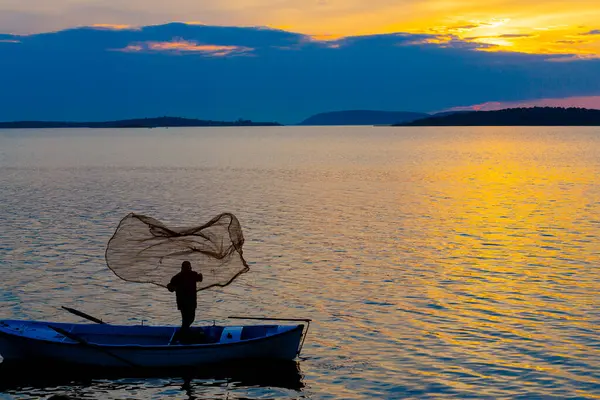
x=144, y=250
x=106, y=345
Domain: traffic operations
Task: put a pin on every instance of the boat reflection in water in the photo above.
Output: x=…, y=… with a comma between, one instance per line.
x=75, y=382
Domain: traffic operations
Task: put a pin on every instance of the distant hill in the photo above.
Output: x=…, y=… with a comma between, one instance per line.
x=162, y=122
x=362, y=117
x=444, y=113
x=536, y=116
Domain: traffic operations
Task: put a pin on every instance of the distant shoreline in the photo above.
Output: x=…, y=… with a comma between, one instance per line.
x=534, y=116
x=162, y=122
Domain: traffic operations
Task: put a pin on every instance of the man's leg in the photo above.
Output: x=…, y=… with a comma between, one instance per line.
x=188, y=315
x=177, y=335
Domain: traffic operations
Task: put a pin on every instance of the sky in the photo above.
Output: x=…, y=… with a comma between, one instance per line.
x=548, y=26
x=240, y=58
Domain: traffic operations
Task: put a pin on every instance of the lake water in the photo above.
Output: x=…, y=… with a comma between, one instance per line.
x=435, y=262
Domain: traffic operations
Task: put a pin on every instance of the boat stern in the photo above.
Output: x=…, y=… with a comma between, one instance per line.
x=9, y=350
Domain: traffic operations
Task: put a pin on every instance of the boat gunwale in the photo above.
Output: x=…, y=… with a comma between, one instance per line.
x=3, y=331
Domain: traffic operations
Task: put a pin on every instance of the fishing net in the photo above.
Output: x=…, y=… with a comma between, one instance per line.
x=144, y=250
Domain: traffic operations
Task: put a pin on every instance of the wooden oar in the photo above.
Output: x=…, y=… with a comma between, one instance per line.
x=83, y=315
x=84, y=342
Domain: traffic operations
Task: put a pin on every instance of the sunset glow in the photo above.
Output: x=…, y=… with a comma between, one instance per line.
x=185, y=46
x=592, y=102
x=546, y=27
x=112, y=27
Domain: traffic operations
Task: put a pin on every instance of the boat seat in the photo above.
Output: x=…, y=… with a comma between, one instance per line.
x=231, y=334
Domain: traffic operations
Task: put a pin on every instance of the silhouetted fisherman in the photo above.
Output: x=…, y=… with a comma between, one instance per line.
x=184, y=286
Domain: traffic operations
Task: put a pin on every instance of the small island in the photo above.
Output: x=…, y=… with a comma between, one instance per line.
x=161, y=122
x=534, y=116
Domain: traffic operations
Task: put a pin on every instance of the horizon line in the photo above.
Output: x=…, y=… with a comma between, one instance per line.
x=242, y=120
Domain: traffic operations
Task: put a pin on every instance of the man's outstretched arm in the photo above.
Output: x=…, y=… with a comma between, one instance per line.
x=172, y=286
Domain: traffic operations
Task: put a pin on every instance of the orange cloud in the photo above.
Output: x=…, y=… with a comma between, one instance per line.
x=186, y=46
x=515, y=30
x=114, y=27
x=132, y=48
x=325, y=38
x=525, y=34
x=592, y=102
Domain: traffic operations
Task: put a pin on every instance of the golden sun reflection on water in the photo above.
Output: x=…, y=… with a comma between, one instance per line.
x=515, y=264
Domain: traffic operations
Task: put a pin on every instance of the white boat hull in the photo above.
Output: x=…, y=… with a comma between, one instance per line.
x=118, y=346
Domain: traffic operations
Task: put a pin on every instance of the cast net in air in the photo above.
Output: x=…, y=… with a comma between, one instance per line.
x=144, y=250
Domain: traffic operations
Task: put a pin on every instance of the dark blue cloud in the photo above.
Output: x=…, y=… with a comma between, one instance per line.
x=8, y=38
x=187, y=70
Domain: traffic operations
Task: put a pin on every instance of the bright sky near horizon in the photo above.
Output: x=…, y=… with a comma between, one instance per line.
x=533, y=26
